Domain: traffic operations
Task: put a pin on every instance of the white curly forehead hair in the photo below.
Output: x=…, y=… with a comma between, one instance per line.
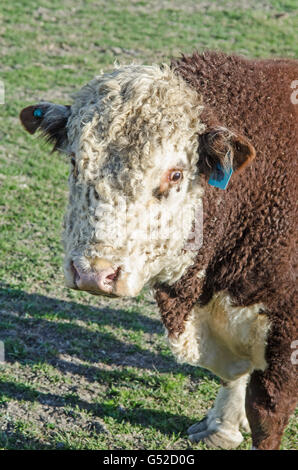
x=132, y=135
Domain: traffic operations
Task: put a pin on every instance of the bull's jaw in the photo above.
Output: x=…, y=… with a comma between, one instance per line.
x=127, y=286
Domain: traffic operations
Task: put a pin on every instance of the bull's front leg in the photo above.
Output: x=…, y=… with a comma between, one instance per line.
x=220, y=428
x=272, y=394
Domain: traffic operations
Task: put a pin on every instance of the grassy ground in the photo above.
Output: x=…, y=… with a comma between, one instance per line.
x=81, y=372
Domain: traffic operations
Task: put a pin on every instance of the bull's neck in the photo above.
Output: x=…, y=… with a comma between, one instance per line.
x=176, y=301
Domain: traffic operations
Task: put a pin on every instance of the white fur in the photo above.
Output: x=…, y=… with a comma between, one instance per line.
x=230, y=341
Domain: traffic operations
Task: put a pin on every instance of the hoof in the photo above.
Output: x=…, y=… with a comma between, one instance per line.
x=214, y=434
x=222, y=439
x=198, y=427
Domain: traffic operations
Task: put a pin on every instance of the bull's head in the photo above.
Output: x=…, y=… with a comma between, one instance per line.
x=139, y=153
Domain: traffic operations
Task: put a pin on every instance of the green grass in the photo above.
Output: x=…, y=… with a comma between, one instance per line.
x=84, y=373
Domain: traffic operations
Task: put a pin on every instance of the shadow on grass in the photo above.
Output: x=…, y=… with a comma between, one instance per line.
x=163, y=421
x=16, y=440
x=40, y=331
x=31, y=334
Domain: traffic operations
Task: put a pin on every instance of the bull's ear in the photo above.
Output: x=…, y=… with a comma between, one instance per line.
x=50, y=119
x=220, y=148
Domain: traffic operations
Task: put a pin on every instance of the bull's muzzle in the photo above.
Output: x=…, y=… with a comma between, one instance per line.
x=101, y=280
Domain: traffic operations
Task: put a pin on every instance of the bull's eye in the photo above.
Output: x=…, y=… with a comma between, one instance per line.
x=175, y=176
x=169, y=179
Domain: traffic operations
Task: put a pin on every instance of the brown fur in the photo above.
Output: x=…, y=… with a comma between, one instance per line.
x=249, y=229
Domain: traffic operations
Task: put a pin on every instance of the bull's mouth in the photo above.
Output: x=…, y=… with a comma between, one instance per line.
x=104, y=279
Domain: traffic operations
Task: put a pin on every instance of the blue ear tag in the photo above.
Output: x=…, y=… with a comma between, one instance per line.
x=220, y=177
x=37, y=113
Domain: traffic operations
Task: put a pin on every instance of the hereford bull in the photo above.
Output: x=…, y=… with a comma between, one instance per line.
x=152, y=146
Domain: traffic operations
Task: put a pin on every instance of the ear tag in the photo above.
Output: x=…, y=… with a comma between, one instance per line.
x=220, y=177
x=37, y=113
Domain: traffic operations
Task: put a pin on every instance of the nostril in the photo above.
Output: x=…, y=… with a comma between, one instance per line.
x=114, y=275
